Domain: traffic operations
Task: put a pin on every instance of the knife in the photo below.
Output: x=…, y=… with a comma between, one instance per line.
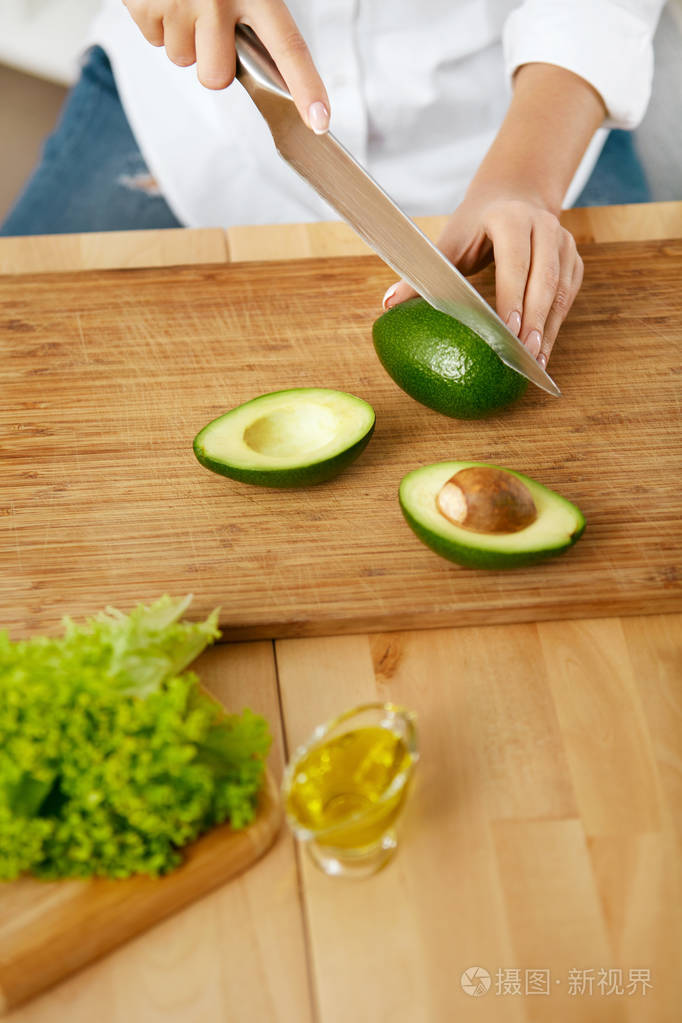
x=325, y=164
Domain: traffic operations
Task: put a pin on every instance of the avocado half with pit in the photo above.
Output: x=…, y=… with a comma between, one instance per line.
x=442, y=363
x=484, y=516
x=290, y=438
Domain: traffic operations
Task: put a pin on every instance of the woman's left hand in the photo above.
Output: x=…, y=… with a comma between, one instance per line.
x=538, y=271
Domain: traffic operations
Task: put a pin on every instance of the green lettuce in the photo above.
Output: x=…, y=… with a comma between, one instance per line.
x=112, y=757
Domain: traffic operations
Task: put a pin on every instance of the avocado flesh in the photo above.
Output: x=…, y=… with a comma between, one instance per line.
x=559, y=524
x=442, y=363
x=290, y=438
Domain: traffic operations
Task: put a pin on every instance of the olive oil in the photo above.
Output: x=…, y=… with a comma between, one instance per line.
x=348, y=790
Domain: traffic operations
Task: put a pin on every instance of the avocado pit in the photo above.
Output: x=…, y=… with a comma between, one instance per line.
x=484, y=499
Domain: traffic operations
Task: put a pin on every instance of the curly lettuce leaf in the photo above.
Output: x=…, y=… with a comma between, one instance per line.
x=112, y=758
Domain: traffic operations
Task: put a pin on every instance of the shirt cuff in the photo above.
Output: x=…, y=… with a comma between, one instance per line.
x=609, y=44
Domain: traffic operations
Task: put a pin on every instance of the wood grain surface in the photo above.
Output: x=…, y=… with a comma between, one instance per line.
x=544, y=831
x=108, y=376
x=644, y=222
x=542, y=835
x=102, y=250
x=173, y=247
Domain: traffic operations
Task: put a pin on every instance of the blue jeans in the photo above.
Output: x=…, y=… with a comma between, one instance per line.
x=92, y=176
x=618, y=176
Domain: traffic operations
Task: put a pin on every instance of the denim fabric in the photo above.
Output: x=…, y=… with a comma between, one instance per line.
x=86, y=176
x=618, y=176
x=86, y=179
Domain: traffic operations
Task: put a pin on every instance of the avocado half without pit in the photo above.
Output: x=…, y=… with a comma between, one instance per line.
x=484, y=516
x=290, y=438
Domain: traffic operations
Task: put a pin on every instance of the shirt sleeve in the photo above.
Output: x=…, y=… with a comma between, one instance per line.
x=609, y=43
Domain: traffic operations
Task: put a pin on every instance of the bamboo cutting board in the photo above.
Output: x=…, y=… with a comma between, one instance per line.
x=107, y=376
x=48, y=930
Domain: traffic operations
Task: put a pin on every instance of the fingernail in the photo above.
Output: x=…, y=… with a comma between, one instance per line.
x=389, y=295
x=533, y=342
x=318, y=117
x=542, y=360
x=514, y=322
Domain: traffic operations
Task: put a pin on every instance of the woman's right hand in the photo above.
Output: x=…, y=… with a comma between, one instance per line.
x=202, y=32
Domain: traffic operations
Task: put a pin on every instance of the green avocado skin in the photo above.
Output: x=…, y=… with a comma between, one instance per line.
x=470, y=557
x=443, y=364
x=302, y=476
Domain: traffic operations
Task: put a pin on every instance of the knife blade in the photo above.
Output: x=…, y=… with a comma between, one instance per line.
x=336, y=176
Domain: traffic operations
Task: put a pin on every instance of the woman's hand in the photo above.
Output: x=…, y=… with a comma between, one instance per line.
x=510, y=212
x=538, y=271
x=202, y=32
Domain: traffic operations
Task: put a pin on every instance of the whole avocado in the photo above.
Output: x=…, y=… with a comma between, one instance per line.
x=442, y=363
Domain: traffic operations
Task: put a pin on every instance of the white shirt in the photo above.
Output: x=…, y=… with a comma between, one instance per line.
x=417, y=88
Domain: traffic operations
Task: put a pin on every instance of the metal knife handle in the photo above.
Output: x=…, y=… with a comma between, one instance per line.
x=257, y=71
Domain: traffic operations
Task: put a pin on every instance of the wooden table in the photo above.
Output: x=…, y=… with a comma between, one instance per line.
x=542, y=843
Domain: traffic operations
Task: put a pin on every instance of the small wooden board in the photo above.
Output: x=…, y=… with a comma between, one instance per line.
x=50, y=929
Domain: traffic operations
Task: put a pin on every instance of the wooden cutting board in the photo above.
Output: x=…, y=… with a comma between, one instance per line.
x=107, y=376
x=48, y=930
